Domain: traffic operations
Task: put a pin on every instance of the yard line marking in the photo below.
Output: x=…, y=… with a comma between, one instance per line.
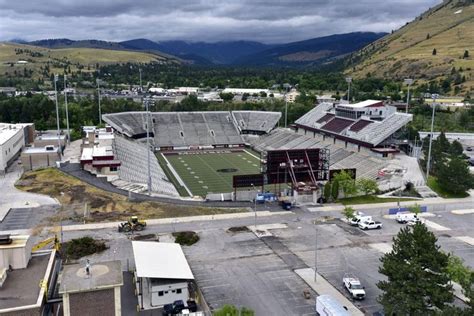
x=463, y=212
x=467, y=239
x=435, y=226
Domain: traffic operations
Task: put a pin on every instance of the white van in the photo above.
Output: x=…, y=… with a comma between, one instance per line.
x=360, y=217
x=327, y=305
x=406, y=217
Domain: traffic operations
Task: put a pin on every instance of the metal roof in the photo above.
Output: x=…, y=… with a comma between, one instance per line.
x=160, y=260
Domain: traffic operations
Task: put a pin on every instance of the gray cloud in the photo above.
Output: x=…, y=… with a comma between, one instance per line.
x=202, y=20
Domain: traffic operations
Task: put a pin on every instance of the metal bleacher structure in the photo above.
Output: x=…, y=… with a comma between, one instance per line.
x=256, y=121
x=366, y=131
x=185, y=129
x=134, y=157
x=340, y=158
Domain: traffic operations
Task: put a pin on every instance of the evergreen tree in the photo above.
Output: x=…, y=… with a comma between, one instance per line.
x=434, y=51
x=454, y=176
x=416, y=273
x=466, y=54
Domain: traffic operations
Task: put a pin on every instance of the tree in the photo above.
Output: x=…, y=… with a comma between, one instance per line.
x=434, y=51
x=456, y=148
x=348, y=212
x=455, y=177
x=346, y=183
x=227, y=97
x=416, y=209
x=334, y=190
x=327, y=191
x=231, y=310
x=466, y=54
x=368, y=186
x=416, y=273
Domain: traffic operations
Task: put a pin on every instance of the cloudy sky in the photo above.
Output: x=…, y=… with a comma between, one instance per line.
x=269, y=21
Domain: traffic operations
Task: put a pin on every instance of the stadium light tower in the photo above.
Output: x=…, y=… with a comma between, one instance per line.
x=98, y=98
x=148, y=101
x=56, y=77
x=140, y=71
x=286, y=107
x=428, y=162
x=408, y=82
x=349, y=80
x=67, y=111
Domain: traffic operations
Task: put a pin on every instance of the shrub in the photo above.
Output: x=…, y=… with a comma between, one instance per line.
x=186, y=238
x=81, y=247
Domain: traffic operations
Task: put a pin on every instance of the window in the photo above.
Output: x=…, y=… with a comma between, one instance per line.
x=181, y=133
x=160, y=293
x=178, y=291
x=173, y=291
x=113, y=168
x=380, y=113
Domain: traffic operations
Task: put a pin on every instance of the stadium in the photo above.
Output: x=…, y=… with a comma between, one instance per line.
x=219, y=154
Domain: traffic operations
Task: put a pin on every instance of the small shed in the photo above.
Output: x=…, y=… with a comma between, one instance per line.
x=162, y=273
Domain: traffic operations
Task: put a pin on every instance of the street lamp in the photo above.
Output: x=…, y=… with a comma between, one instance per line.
x=408, y=82
x=56, y=77
x=67, y=112
x=255, y=208
x=349, y=80
x=428, y=163
x=98, y=97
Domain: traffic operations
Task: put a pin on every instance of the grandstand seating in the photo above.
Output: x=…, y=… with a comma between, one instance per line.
x=360, y=124
x=133, y=157
x=340, y=158
x=257, y=121
x=310, y=118
x=130, y=124
x=377, y=132
x=337, y=125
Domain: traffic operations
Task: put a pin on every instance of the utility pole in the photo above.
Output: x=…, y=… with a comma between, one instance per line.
x=409, y=82
x=98, y=98
x=67, y=112
x=428, y=162
x=57, y=114
x=286, y=107
x=349, y=80
x=147, y=101
x=315, y=250
x=255, y=207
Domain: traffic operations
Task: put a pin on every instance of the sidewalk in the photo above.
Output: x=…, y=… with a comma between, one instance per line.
x=425, y=202
x=321, y=286
x=175, y=220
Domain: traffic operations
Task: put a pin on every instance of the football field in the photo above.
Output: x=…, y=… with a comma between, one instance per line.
x=206, y=172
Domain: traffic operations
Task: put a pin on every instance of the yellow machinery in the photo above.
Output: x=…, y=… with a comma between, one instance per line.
x=47, y=242
x=133, y=224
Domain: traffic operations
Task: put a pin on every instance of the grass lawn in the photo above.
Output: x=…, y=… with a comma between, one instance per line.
x=370, y=199
x=434, y=185
x=73, y=194
x=205, y=172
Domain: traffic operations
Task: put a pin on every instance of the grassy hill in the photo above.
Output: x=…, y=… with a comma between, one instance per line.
x=408, y=52
x=42, y=62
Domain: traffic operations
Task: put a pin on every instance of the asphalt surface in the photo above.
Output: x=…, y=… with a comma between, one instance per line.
x=241, y=269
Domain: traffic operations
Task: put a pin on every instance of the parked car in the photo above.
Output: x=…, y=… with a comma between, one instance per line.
x=353, y=286
x=173, y=309
x=327, y=305
x=354, y=221
x=469, y=148
x=471, y=161
x=370, y=225
x=405, y=217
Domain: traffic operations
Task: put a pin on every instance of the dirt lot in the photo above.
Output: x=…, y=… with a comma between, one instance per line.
x=75, y=196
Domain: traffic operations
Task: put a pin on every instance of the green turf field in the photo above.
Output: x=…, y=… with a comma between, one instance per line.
x=200, y=171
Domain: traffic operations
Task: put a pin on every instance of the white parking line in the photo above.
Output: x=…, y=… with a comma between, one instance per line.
x=435, y=226
x=463, y=212
x=467, y=239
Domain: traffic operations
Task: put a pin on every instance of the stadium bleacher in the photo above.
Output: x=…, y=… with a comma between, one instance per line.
x=133, y=157
x=340, y=158
x=256, y=121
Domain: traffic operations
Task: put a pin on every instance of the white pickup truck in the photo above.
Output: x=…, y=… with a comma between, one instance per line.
x=354, y=221
x=353, y=285
x=370, y=225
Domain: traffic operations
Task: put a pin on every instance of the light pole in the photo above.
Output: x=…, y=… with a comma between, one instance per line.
x=315, y=250
x=140, y=71
x=147, y=101
x=428, y=163
x=349, y=80
x=255, y=207
x=408, y=82
x=98, y=97
x=57, y=114
x=67, y=112
x=286, y=107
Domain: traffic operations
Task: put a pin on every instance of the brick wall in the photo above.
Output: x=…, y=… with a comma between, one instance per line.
x=93, y=303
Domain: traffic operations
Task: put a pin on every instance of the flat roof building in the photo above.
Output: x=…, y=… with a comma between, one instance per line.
x=13, y=137
x=162, y=273
x=92, y=289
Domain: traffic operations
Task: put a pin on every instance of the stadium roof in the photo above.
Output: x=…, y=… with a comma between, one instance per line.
x=364, y=104
x=160, y=260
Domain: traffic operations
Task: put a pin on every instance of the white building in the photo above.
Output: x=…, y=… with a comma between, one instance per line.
x=292, y=95
x=12, y=140
x=243, y=90
x=162, y=273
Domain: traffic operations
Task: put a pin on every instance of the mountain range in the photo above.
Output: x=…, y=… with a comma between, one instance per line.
x=309, y=52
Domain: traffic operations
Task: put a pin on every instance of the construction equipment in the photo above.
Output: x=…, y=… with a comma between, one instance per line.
x=133, y=224
x=47, y=242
